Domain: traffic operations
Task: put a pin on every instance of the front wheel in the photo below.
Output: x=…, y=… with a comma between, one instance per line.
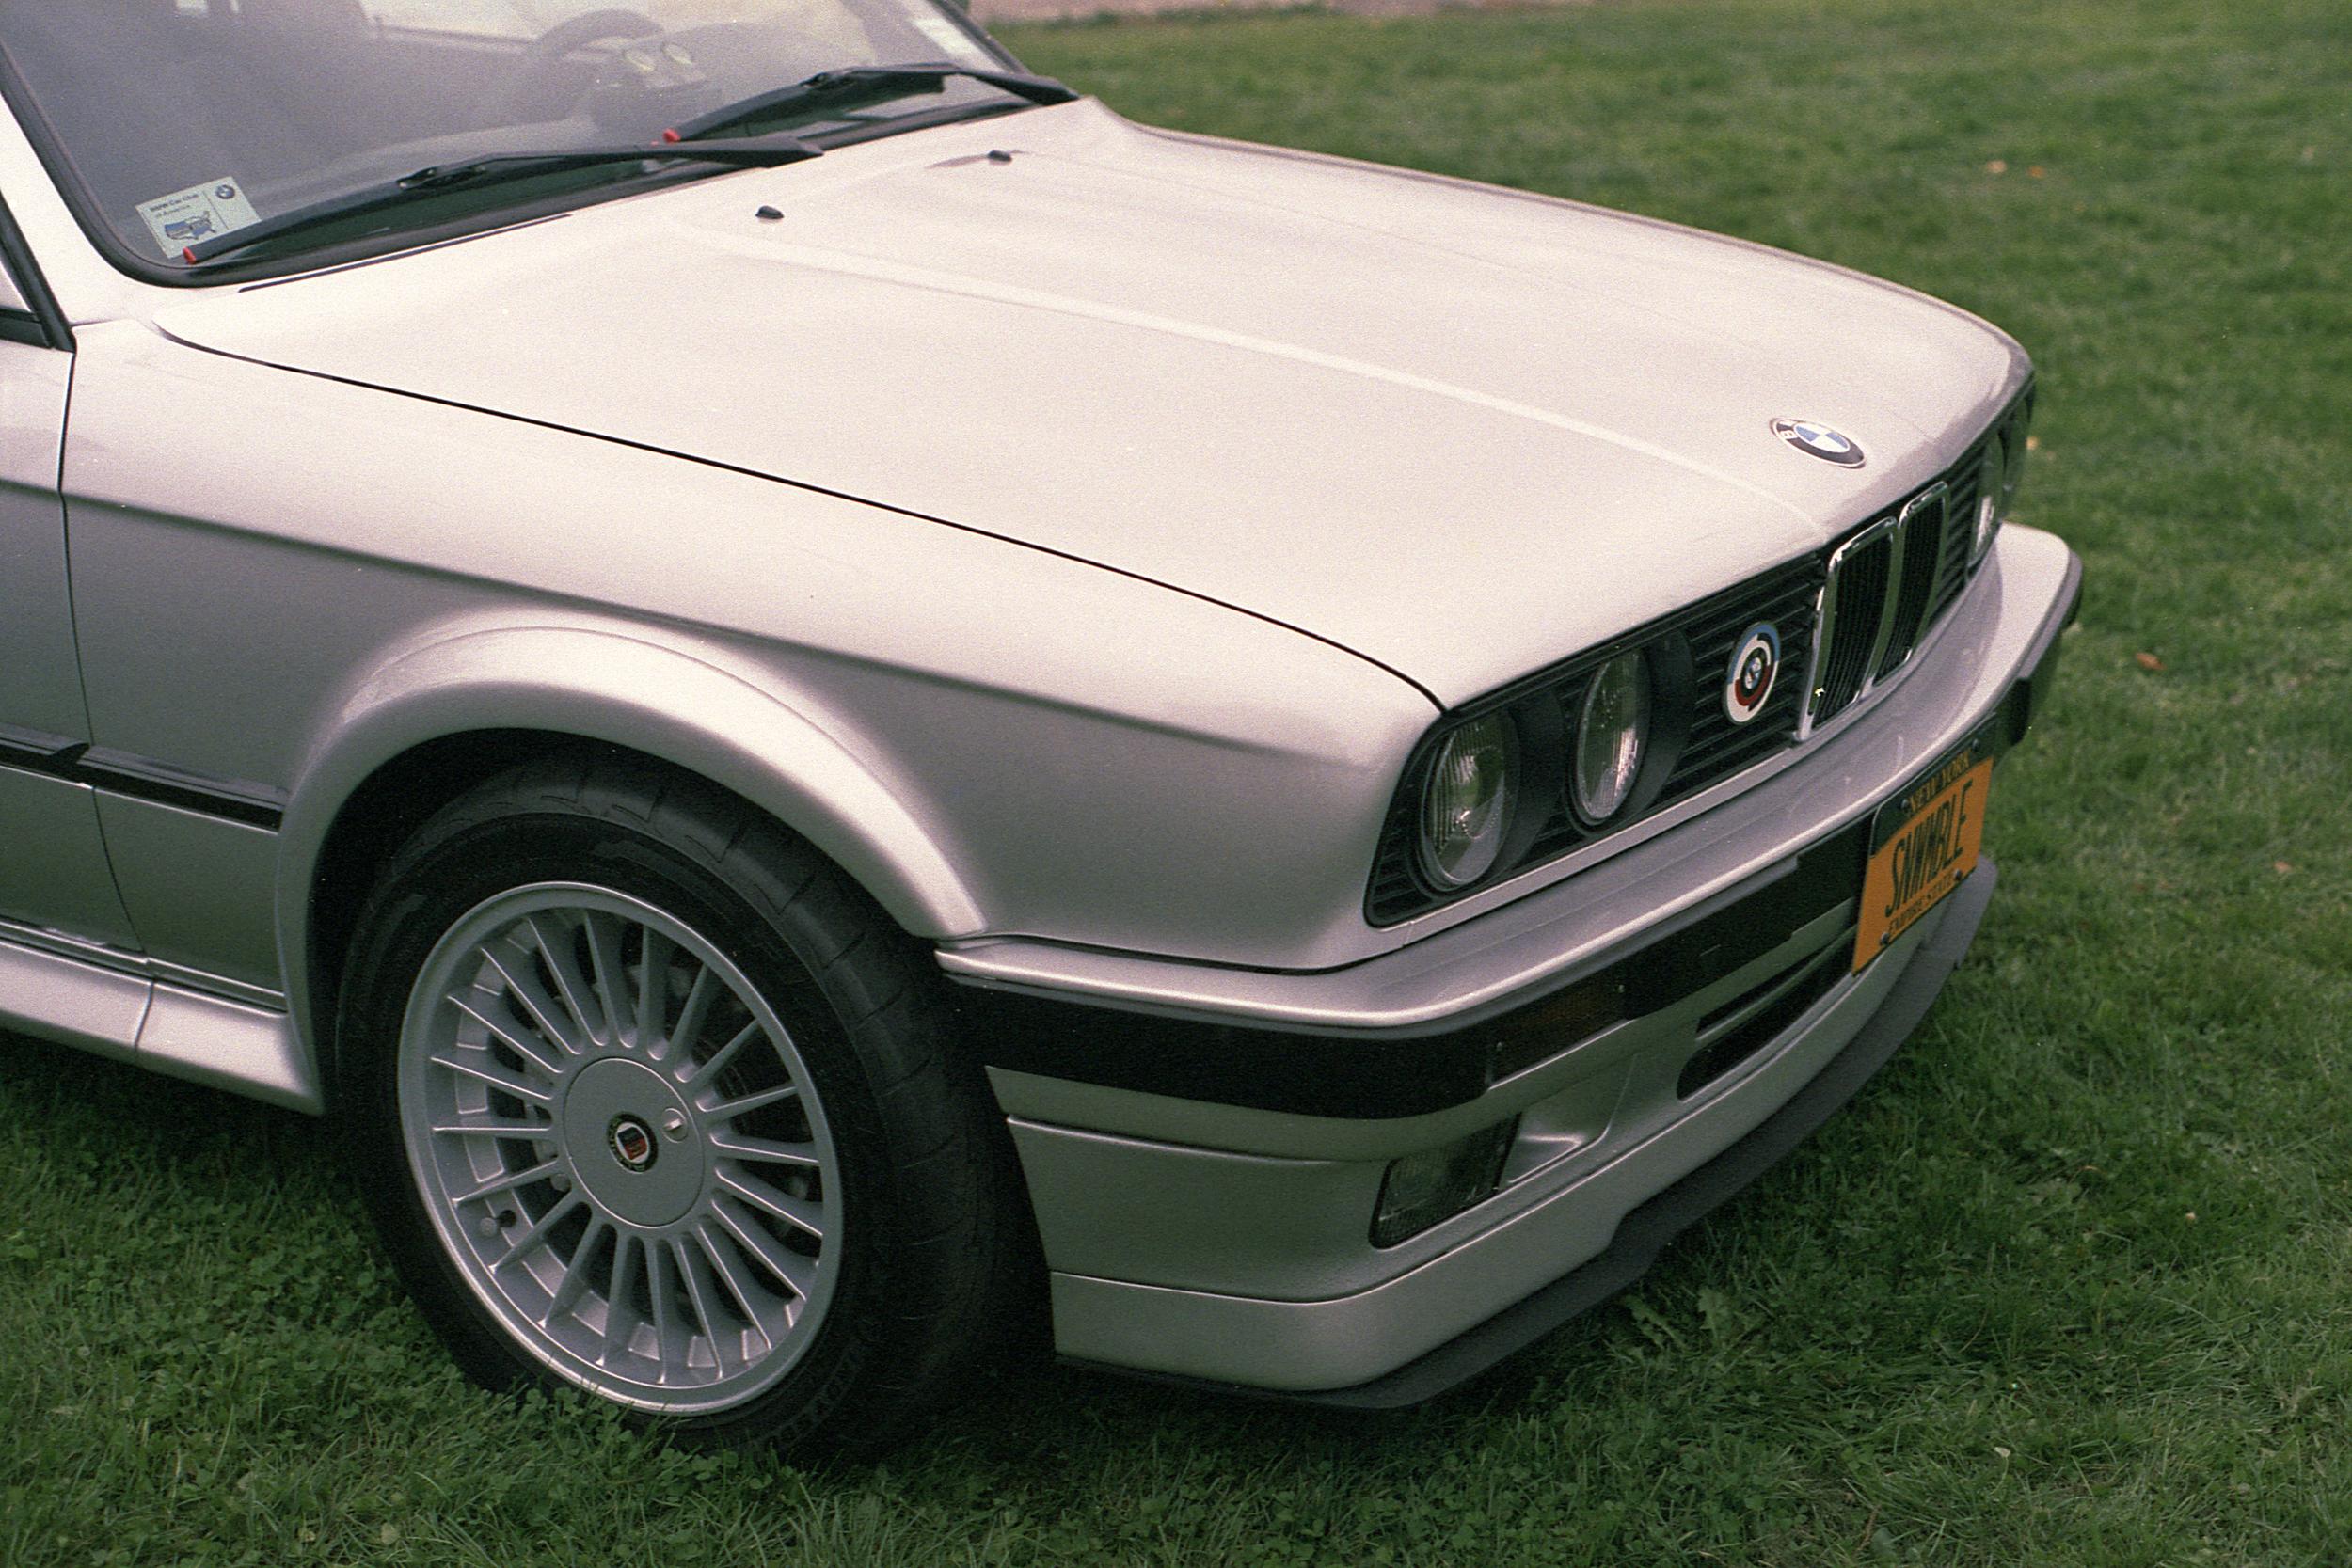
x=653, y=1104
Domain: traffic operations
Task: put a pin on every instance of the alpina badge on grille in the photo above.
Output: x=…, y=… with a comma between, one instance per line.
x=1755, y=665
x=1818, y=440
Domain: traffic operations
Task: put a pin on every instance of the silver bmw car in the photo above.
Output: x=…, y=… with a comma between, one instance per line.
x=836, y=701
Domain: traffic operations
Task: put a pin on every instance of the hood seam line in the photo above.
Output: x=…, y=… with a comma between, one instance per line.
x=1425, y=692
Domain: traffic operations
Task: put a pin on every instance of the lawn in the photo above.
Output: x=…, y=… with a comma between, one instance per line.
x=2070, y=1284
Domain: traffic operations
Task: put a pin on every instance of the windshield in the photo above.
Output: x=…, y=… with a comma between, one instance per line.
x=184, y=120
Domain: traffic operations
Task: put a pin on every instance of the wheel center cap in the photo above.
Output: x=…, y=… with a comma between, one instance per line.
x=612, y=1116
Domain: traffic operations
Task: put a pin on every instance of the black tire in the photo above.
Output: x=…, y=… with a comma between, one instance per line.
x=926, y=1178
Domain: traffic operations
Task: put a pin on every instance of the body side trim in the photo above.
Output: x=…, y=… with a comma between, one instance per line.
x=141, y=777
x=37, y=751
x=145, y=779
x=140, y=966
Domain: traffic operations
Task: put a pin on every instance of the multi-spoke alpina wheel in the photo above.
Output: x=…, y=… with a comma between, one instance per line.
x=620, y=1146
x=653, y=1104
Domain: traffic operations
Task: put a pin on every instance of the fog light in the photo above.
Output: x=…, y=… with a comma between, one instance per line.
x=1422, y=1188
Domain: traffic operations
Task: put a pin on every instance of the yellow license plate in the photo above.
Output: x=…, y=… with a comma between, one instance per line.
x=1925, y=844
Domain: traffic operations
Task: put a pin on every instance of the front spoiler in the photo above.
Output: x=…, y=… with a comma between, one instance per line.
x=1645, y=1232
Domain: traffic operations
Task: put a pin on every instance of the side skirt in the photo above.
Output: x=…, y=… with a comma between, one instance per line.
x=155, y=1015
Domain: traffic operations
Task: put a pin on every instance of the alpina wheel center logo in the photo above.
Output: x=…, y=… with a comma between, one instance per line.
x=1755, y=666
x=632, y=1144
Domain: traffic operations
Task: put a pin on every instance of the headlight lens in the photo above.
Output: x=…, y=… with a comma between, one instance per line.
x=2019, y=443
x=1611, y=736
x=1992, y=487
x=1466, y=806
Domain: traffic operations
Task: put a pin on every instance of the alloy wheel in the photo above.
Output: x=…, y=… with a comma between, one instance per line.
x=620, y=1148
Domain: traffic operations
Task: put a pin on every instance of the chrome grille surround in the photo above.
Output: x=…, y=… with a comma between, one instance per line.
x=1876, y=600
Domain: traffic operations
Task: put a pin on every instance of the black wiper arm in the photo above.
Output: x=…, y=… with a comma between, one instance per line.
x=862, y=80
x=751, y=152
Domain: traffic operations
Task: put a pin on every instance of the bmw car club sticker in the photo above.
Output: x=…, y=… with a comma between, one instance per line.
x=1754, y=664
x=199, y=213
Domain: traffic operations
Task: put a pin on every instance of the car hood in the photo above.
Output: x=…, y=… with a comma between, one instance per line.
x=1462, y=432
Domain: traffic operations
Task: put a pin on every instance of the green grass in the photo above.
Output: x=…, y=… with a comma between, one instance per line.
x=2071, y=1284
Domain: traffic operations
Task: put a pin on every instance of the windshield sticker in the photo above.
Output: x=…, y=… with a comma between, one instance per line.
x=954, y=39
x=184, y=217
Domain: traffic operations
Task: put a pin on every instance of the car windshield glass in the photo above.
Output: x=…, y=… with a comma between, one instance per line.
x=184, y=120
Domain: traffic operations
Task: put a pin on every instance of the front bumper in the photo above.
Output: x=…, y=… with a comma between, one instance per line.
x=1205, y=1168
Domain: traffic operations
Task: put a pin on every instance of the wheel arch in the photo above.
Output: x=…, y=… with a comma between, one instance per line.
x=441, y=719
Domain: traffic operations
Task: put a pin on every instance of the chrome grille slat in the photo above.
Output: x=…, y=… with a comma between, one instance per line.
x=1852, y=615
x=1922, y=527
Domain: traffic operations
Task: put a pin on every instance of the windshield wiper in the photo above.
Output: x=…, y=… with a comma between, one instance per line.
x=860, y=81
x=750, y=152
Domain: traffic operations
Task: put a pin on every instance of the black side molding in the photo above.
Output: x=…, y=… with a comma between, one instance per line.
x=141, y=777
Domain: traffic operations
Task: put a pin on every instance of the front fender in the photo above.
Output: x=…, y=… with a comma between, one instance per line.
x=597, y=684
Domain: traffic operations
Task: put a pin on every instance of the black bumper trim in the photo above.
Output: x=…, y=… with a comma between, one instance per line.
x=1645, y=1232
x=1380, y=1076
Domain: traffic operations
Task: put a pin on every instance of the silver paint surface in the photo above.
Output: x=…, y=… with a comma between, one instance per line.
x=53, y=866
x=1128, y=348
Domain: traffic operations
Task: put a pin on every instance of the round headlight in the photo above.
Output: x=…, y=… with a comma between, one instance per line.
x=1612, y=734
x=1466, y=805
x=1992, y=494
